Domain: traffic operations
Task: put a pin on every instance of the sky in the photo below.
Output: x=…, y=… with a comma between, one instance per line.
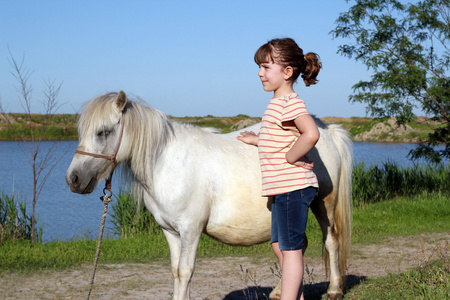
x=185, y=58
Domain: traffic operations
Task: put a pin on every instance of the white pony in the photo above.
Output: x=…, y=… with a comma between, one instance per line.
x=193, y=180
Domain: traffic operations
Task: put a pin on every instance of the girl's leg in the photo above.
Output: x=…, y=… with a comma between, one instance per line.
x=292, y=219
x=292, y=275
x=278, y=254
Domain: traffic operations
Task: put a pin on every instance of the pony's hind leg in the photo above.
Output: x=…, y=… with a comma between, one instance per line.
x=324, y=213
x=336, y=283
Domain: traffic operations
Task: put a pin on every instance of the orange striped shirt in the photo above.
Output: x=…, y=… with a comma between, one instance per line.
x=278, y=134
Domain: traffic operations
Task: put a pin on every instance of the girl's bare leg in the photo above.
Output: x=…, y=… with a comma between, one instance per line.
x=292, y=275
x=278, y=254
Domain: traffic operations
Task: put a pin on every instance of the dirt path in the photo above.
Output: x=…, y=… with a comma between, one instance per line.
x=219, y=278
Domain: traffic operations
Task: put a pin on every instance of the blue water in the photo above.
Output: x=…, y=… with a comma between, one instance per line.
x=64, y=214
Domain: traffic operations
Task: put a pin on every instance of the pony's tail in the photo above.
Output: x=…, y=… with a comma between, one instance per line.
x=343, y=210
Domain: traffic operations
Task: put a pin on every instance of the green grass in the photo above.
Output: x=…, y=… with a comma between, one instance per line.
x=425, y=213
x=429, y=281
x=373, y=223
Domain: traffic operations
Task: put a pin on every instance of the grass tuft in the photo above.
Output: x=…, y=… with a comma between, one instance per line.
x=430, y=280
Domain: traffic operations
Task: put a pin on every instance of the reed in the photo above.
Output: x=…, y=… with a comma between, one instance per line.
x=15, y=224
x=379, y=183
x=130, y=220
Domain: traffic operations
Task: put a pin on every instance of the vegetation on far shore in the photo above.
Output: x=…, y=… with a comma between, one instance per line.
x=64, y=126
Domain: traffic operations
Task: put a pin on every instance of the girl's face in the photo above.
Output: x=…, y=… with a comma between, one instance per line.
x=274, y=78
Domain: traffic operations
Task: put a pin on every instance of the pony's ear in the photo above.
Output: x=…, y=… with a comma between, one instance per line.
x=121, y=101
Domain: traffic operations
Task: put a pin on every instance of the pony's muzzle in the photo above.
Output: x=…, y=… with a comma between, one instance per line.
x=80, y=184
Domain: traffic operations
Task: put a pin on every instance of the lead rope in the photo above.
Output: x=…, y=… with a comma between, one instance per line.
x=105, y=199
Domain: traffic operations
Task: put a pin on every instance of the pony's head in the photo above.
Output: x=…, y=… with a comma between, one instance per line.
x=99, y=129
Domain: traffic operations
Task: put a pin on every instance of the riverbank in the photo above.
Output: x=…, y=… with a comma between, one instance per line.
x=362, y=129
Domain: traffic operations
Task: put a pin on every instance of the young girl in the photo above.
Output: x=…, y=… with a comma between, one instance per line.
x=288, y=133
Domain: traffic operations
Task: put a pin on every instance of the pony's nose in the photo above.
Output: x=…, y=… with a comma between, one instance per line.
x=73, y=180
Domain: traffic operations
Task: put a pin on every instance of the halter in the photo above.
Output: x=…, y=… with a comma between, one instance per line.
x=111, y=158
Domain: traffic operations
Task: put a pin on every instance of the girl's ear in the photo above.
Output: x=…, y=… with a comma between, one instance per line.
x=288, y=72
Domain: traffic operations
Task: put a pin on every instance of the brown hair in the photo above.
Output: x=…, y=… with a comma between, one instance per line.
x=286, y=52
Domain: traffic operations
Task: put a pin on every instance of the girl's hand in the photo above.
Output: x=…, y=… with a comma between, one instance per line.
x=304, y=163
x=308, y=138
x=249, y=137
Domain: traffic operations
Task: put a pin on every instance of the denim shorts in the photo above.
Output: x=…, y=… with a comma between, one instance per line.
x=289, y=218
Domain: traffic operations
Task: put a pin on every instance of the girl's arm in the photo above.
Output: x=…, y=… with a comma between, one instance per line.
x=308, y=138
x=249, y=137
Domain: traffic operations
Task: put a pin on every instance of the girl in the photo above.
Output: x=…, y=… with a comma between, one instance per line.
x=288, y=133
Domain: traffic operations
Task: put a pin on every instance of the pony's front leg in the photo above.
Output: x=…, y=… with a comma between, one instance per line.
x=189, y=245
x=175, y=248
x=183, y=250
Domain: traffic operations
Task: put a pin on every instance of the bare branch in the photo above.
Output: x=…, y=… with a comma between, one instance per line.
x=42, y=165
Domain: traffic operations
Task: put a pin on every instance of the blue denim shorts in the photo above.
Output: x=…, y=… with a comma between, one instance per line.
x=289, y=218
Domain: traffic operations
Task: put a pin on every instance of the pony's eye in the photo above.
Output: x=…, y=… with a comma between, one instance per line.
x=103, y=133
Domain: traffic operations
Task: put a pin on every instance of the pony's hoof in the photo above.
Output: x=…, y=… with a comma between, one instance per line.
x=276, y=292
x=274, y=296
x=335, y=296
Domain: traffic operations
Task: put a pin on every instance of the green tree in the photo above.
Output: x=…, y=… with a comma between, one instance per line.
x=406, y=46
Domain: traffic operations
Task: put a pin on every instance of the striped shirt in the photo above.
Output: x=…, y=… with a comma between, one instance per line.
x=278, y=134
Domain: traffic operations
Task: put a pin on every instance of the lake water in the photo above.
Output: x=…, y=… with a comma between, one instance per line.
x=64, y=214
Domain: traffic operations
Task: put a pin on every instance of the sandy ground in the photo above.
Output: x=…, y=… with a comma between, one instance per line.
x=219, y=278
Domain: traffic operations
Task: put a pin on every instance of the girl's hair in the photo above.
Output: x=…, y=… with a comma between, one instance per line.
x=286, y=52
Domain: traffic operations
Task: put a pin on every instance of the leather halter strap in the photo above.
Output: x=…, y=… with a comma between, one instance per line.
x=111, y=158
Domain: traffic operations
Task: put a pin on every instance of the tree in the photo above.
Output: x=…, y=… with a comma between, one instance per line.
x=407, y=48
x=41, y=162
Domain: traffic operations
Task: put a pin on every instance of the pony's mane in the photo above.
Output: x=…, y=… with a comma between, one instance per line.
x=148, y=128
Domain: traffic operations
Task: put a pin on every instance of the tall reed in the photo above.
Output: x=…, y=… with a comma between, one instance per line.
x=129, y=219
x=380, y=183
x=14, y=221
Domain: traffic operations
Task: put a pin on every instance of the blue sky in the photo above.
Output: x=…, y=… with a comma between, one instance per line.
x=186, y=58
